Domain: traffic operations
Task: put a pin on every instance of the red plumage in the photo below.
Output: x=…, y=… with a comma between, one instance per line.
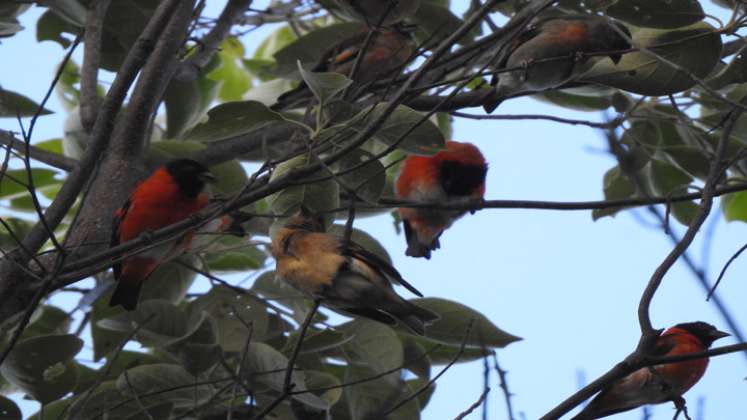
x=457, y=172
x=171, y=194
x=659, y=383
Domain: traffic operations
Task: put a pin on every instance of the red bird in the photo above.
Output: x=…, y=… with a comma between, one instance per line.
x=457, y=172
x=661, y=383
x=171, y=194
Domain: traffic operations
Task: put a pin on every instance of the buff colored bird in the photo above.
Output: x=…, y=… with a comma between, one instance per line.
x=345, y=277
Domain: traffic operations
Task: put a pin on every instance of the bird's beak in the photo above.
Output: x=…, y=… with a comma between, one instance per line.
x=208, y=177
x=715, y=335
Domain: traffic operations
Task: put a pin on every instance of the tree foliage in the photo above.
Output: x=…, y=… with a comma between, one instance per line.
x=201, y=93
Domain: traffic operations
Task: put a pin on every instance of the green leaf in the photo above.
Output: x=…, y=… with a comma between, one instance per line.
x=51, y=27
x=13, y=105
x=232, y=119
x=374, y=345
x=198, y=349
x=104, y=340
x=234, y=78
x=71, y=11
x=734, y=72
x=51, y=145
x=47, y=320
x=43, y=367
x=360, y=171
x=309, y=48
x=271, y=287
x=667, y=180
x=263, y=358
x=379, y=12
x=435, y=23
x=231, y=261
x=160, y=323
x=228, y=308
x=187, y=102
x=171, y=280
x=734, y=206
x=325, y=86
x=455, y=318
x=277, y=40
x=441, y=354
x=14, y=182
x=9, y=410
x=315, y=380
x=663, y=14
x=317, y=196
x=406, y=128
x=157, y=379
x=579, y=99
x=616, y=187
x=696, y=48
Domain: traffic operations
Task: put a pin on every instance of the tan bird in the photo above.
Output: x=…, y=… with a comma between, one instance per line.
x=347, y=278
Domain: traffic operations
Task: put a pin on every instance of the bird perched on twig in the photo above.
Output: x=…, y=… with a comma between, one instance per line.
x=455, y=173
x=343, y=276
x=551, y=52
x=660, y=383
x=385, y=56
x=171, y=194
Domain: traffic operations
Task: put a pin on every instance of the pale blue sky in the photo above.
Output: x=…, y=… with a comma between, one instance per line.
x=569, y=286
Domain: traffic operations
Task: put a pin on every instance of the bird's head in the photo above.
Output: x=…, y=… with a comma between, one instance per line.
x=190, y=175
x=705, y=332
x=305, y=219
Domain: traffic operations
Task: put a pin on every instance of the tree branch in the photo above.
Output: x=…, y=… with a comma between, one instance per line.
x=189, y=69
x=52, y=159
x=89, y=97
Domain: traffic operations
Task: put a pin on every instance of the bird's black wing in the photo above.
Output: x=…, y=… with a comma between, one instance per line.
x=378, y=264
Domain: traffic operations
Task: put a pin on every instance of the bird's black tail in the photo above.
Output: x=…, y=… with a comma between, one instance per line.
x=415, y=317
x=126, y=294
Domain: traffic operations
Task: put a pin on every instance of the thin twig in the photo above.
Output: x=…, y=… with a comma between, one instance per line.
x=474, y=405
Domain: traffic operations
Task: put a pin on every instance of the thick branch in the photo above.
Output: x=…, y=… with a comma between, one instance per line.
x=89, y=97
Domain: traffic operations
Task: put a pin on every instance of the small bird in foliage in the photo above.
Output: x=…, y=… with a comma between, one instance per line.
x=455, y=173
x=171, y=194
x=343, y=276
x=378, y=12
x=384, y=57
x=660, y=383
x=553, y=51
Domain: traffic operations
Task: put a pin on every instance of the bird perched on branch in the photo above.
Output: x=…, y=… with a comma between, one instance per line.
x=553, y=51
x=378, y=12
x=660, y=383
x=455, y=173
x=384, y=57
x=343, y=276
x=171, y=194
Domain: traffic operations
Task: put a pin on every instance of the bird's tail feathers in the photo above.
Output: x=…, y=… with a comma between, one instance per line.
x=134, y=272
x=416, y=248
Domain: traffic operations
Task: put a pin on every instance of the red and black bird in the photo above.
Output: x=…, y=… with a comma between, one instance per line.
x=552, y=51
x=660, y=383
x=455, y=173
x=171, y=194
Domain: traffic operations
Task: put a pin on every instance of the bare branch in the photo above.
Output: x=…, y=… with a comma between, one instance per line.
x=52, y=159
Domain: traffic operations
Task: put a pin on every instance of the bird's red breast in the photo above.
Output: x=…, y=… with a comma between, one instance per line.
x=683, y=375
x=157, y=202
x=419, y=172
